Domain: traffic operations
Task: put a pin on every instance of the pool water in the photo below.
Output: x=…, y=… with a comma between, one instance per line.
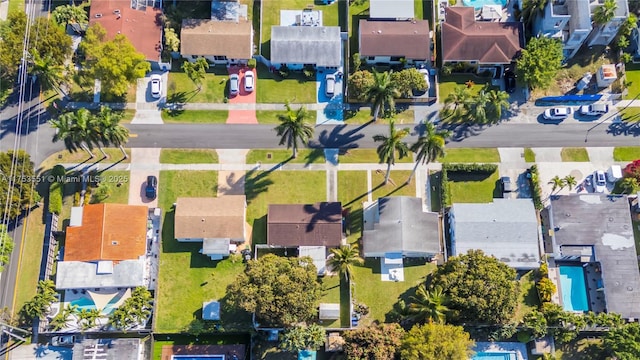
x=478, y=4
x=493, y=356
x=84, y=303
x=574, y=288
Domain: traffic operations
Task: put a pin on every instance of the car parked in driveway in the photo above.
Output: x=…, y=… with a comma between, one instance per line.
x=330, y=85
x=509, y=82
x=558, y=113
x=599, y=181
x=594, y=109
x=249, y=81
x=234, y=84
x=156, y=86
x=63, y=340
x=151, y=190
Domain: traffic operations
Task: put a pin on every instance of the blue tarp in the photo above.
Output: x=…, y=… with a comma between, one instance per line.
x=566, y=98
x=306, y=355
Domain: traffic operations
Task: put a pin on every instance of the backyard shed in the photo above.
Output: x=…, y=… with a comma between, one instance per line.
x=329, y=311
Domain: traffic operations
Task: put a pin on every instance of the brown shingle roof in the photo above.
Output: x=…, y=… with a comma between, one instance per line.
x=409, y=39
x=205, y=37
x=319, y=224
x=142, y=27
x=210, y=217
x=108, y=232
x=464, y=39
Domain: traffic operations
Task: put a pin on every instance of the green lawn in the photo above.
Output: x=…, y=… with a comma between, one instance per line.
x=473, y=188
x=271, y=88
x=364, y=116
x=29, y=270
x=528, y=298
x=626, y=153
x=631, y=114
x=633, y=78
x=80, y=156
x=127, y=115
x=263, y=188
x=529, y=155
x=118, y=182
x=182, y=90
x=271, y=116
x=367, y=156
x=380, y=295
x=576, y=154
x=269, y=156
x=195, y=116
x=581, y=349
x=336, y=292
x=188, y=156
x=187, y=278
x=450, y=82
x=397, y=185
x=471, y=155
x=352, y=192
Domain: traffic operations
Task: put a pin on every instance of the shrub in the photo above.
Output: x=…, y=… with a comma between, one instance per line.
x=483, y=168
x=58, y=171
x=252, y=63
x=536, y=191
x=56, y=192
x=546, y=289
x=309, y=73
x=284, y=71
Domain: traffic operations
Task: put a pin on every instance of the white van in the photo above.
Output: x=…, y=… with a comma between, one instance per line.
x=614, y=173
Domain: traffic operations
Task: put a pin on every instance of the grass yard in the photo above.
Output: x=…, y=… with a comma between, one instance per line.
x=29, y=270
x=182, y=90
x=81, y=156
x=195, y=116
x=118, y=194
x=352, y=192
x=188, y=156
x=267, y=156
x=471, y=155
x=273, y=89
x=127, y=115
x=187, y=278
x=448, y=83
x=369, y=287
x=336, y=291
x=630, y=114
x=529, y=155
x=263, y=188
x=626, y=153
x=581, y=349
x=574, y=154
x=367, y=156
x=364, y=116
x=397, y=185
x=271, y=116
x=528, y=298
x=632, y=74
x=473, y=188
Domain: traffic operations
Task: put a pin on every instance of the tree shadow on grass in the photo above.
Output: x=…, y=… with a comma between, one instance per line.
x=257, y=182
x=259, y=231
x=314, y=155
x=583, y=349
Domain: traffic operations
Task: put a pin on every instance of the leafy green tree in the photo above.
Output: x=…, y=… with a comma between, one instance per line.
x=380, y=342
x=428, y=305
x=116, y=63
x=294, y=128
x=357, y=62
x=134, y=311
x=69, y=14
x=75, y=129
x=302, y=338
x=464, y=279
x=382, y=93
x=624, y=342
x=49, y=41
x=359, y=83
x=196, y=71
x=280, y=291
x=51, y=75
x=87, y=318
x=16, y=185
x=532, y=10
x=12, y=33
x=429, y=146
x=407, y=80
x=540, y=61
x=6, y=247
x=535, y=322
x=605, y=12
x=546, y=289
x=391, y=147
x=629, y=185
x=343, y=259
x=171, y=40
x=434, y=341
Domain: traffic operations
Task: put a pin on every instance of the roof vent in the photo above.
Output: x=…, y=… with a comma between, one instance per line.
x=114, y=243
x=202, y=220
x=116, y=11
x=98, y=15
x=379, y=31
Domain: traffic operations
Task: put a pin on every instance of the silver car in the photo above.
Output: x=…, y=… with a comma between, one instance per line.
x=234, y=84
x=156, y=86
x=599, y=181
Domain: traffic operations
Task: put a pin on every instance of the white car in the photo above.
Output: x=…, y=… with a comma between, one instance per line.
x=156, y=86
x=594, y=109
x=249, y=81
x=63, y=340
x=559, y=113
x=330, y=85
x=425, y=73
x=234, y=84
x=599, y=181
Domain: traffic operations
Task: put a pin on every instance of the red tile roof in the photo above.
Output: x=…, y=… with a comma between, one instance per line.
x=142, y=27
x=465, y=39
x=319, y=224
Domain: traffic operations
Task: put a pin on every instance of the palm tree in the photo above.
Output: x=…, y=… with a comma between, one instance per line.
x=557, y=183
x=390, y=146
x=293, y=128
x=111, y=131
x=459, y=96
x=382, y=93
x=570, y=181
x=83, y=124
x=50, y=75
x=497, y=101
x=429, y=305
x=343, y=259
x=605, y=13
x=531, y=10
x=477, y=109
x=429, y=146
x=65, y=131
x=74, y=128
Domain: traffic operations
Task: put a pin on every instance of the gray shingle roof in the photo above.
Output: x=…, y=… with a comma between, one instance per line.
x=391, y=9
x=402, y=228
x=83, y=275
x=306, y=45
x=505, y=228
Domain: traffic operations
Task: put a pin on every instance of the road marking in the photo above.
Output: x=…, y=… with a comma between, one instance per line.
x=133, y=135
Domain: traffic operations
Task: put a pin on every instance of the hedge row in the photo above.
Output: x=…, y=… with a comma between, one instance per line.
x=445, y=192
x=56, y=189
x=536, y=191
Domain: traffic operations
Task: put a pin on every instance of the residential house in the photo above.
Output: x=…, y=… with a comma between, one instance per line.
x=589, y=240
x=479, y=44
x=217, y=222
x=105, y=248
x=297, y=46
x=138, y=20
x=603, y=34
x=391, y=9
x=569, y=21
x=397, y=227
x=310, y=228
x=394, y=42
x=220, y=42
x=504, y=228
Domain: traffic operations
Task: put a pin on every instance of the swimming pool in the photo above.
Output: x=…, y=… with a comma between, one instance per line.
x=84, y=303
x=478, y=4
x=494, y=356
x=574, y=288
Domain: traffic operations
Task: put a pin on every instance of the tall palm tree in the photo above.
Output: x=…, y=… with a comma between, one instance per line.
x=84, y=129
x=65, y=131
x=531, y=10
x=497, y=101
x=570, y=181
x=294, y=128
x=557, y=183
x=477, y=109
x=429, y=305
x=391, y=146
x=74, y=128
x=459, y=96
x=111, y=132
x=429, y=146
x=605, y=13
x=343, y=259
x=382, y=93
x=51, y=76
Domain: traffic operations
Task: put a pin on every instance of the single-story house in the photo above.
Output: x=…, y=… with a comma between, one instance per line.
x=504, y=228
x=397, y=227
x=391, y=41
x=105, y=249
x=477, y=43
x=593, y=234
x=217, y=222
x=311, y=228
x=220, y=42
x=139, y=21
x=391, y=9
x=297, y=46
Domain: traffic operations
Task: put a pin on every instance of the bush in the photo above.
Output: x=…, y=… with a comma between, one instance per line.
x=468, y=168
x=536, y=191
x=252, y=63
x=309, y=73
x=284, y=71
x=58, y=171
x=546, y=289
x=56, y=192
x=524, y=337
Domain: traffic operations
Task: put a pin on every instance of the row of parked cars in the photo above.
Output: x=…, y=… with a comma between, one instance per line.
x=561, y=113
x=234, y=82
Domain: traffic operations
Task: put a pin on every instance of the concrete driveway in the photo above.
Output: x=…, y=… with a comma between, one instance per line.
x=144, y=162
x=332, y=112
x=148, y=107
x=243, y=97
